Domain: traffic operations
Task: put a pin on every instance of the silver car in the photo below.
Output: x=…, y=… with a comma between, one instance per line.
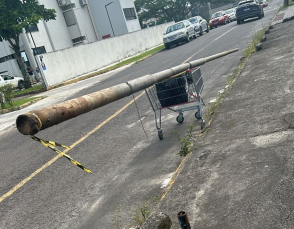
x=199, y=24
x=179, y=32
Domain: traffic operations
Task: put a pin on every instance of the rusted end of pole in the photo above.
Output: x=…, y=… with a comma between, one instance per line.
x=183, y=220
x=28, y=124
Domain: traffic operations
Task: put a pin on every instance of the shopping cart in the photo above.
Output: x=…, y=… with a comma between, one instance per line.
x=179, y=93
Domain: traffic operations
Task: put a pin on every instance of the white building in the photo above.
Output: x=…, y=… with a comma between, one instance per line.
x=77, y=22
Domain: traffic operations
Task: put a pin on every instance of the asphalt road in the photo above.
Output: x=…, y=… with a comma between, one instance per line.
x=130, y=171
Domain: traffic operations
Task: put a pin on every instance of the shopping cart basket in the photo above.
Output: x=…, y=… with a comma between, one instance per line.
x=179, y=93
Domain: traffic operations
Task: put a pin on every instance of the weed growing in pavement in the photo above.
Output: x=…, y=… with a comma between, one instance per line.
x=213, y=108
x=256, y=39
x=141, y=215
x=186, y=142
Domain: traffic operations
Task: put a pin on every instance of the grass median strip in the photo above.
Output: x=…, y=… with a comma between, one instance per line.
x=34, y=89
x=20, y=104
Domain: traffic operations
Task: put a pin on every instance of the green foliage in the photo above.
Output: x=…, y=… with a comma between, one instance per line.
x=16, y=15
x=32, y=90
x=142, y=214
x=6, y=96
x=186, y=142
x=168, y=10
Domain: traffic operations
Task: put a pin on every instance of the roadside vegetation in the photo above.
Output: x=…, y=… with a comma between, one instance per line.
x=248, y=51
x=8, y=104
x=141, y=213
x=185, y=142
x=31, y=90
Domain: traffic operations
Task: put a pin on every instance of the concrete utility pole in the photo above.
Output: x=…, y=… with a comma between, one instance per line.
x=31, y=123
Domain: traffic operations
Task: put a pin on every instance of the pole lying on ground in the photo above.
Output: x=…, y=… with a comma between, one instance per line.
x=31, y=123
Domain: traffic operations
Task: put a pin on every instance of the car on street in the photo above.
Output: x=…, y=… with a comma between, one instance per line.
x=231, y=13
x=248, y=9
x=218, y=18
x=17, y=82
x=181, y=31
x=200, y=25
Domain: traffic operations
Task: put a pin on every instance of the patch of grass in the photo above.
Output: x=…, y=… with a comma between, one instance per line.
x=185, y=142
x=26, y=91
x=141, y=215
x=256, y=39
x=19, y=102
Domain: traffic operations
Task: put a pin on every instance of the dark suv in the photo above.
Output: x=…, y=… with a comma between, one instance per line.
x=248, y=9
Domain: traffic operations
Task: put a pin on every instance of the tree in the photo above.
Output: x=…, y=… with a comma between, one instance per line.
x=168, y=10
x=16, y=15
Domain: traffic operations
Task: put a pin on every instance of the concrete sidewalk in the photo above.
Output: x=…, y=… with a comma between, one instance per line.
x=241, y=174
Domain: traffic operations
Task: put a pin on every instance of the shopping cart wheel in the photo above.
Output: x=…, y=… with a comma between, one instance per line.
x=202, y=124
x=160, y=134
x=197, y=115
x=180, y=118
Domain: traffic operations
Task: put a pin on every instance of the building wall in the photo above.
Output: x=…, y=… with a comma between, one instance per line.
x=103, y=23
x=57, y=30
x=9, y=66
x=84, y=22
x=69, y=63
x=132, y=25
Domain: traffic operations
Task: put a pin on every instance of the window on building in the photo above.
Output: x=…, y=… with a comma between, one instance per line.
x=130, y=14
x=69, y=18
x=32, y=28
x=78, y=40
x=68, y=7
x=39, y=50
x=6, y=58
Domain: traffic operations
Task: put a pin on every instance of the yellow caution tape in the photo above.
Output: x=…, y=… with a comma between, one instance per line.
x=51, y=145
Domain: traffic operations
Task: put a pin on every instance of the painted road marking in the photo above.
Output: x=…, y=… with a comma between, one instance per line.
x=208, y=45
x=179, y=169
x=22, y=183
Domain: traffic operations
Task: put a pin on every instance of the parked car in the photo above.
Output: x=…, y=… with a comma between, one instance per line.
x=248, y=9
x=263, y=3
x=218, y=18
x=181, y=31
x=199, y=24
x=17, y=82
x=231, y=13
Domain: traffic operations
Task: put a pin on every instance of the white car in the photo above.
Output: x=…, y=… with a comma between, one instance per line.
x=17, y=82
x=231, y=13
x=179, y=32
x=200, y=25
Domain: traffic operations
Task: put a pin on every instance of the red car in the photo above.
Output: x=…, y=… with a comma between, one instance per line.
x=263, y=3
x=218, y=18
